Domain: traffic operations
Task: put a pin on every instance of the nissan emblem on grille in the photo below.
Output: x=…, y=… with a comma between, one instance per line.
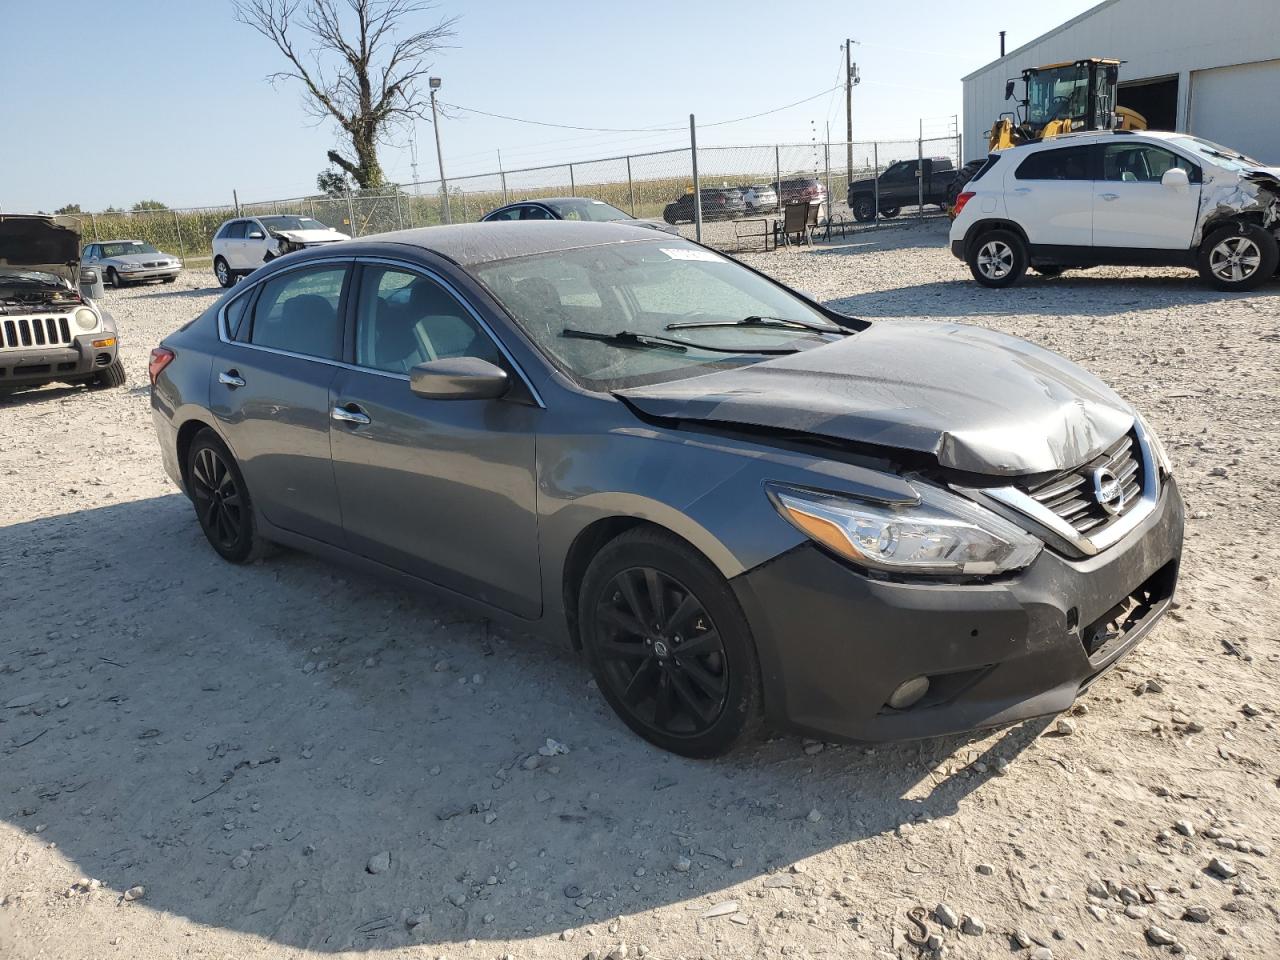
x=1108, y=491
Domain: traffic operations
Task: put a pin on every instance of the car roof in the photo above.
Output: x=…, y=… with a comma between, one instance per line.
x=472, y=244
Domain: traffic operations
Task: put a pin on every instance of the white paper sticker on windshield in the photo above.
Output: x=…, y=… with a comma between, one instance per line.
x=688, y=253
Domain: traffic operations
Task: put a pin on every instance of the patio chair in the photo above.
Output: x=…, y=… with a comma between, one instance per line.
x=795, y=224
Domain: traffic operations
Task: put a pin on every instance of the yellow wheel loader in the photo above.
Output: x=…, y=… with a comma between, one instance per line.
x=1063, y=97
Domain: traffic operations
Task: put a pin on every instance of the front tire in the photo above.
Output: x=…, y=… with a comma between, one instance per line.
x=864, y=209
x=111, y=376
x=113, y=279
x=221, y=500
x=1238, y=257
x=997, y=259
x=223, y=272
x=669, y=645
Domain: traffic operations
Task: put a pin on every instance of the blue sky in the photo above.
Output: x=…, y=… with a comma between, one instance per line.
x=108, y=104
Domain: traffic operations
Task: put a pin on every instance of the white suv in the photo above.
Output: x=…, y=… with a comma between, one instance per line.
x=1126, y=198
x=242, y=245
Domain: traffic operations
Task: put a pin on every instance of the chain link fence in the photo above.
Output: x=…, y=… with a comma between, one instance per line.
x=736, y=182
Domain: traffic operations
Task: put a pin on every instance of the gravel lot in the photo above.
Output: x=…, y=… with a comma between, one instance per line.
x=288, y=760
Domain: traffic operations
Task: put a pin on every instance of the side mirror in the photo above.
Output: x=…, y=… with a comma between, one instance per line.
x=1008, y=89
x=459, y=378
x=1175, y=178
x=256, y=235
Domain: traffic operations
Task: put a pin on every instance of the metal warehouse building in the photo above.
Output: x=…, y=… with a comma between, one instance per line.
x=1206, y=67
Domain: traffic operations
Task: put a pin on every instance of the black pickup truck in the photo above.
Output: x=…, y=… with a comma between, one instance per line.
x=899, y=187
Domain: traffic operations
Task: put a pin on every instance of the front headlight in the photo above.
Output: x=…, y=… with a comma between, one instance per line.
x=1157, y=448
x=129, y=267
x=85, y=319
x=940, y=534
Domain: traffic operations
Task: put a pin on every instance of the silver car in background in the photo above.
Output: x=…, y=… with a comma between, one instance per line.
x=122, y=262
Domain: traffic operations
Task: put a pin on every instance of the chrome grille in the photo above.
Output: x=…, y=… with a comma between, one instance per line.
x=1071, y=495
x=20, y=332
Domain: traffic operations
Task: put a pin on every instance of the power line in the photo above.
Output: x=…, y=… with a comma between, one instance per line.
x=569, y=126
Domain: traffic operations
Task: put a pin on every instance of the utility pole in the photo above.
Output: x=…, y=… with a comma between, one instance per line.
x=851, y=80
x=413, y=161
x=435, y=122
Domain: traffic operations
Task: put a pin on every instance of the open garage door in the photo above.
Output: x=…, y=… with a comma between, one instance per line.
x=1156, y=99
x=1234, y=105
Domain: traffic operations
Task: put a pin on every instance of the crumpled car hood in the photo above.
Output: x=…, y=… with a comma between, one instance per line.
x=976, y=400
x=40, y=243
x=311, y=236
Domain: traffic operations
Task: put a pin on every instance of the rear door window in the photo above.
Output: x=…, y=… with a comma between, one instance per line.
x=1065, y=163
x=299, y=311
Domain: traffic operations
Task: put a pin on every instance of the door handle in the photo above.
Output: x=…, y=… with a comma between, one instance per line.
x=231, y=378
x=1109, y=196
x=350, y=414
x=1022, y=190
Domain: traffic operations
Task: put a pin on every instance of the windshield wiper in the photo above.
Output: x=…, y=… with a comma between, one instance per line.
x=756, y=321
x=645, y=341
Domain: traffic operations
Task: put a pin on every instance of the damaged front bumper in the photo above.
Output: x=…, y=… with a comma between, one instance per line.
x=81, y=359
x=835, y=644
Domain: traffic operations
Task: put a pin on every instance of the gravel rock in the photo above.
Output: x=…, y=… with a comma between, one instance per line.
x=682, y=865
x=135, y=893
x=379, y=863
x=946, y=916
x=1185, y=828
x=973, y=926
x=985, y=869
x=1221, y=868
x=1197, y=913
x=1040, y=953
x=1160, y=936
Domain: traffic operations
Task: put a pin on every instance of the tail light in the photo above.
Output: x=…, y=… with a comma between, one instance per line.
x=161, y=357
x=961, y=200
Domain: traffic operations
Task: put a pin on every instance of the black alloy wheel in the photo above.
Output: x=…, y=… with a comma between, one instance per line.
x=221, y=500
x=661, y=651
x=669, y=646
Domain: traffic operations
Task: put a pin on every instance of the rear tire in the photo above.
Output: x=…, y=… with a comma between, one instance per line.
x=669, y=646
x=997, y=259
x=111, y=376
x=890, y=212
x=221, y=499
x=223, y=272
x=864, y=209
x=1238, y=257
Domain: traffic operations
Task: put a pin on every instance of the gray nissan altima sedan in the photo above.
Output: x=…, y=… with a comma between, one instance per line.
x=739, y=505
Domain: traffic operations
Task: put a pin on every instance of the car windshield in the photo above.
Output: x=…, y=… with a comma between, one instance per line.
x=126, y=248
x=1220, y=155
x=291, y=223
x=649, y=289
x=586, y=210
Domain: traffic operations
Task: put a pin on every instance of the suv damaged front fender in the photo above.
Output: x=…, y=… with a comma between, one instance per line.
x=1256, y=193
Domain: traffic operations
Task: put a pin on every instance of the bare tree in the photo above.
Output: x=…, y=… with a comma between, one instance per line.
x=363, y=75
